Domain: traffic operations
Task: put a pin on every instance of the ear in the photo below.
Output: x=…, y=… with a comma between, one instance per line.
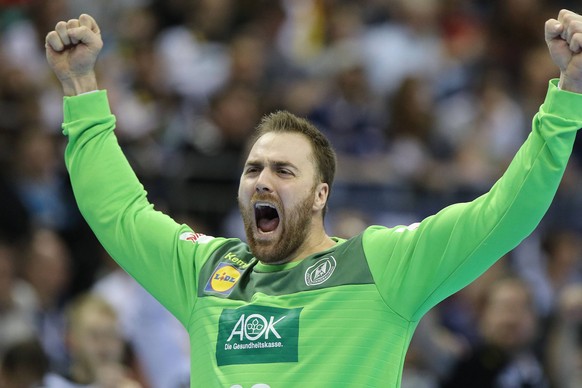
x=320, y=196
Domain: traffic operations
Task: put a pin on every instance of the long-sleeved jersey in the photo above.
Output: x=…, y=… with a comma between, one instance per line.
x=341, y=317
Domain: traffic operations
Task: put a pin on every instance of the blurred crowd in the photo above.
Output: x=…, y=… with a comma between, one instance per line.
x=425, y=101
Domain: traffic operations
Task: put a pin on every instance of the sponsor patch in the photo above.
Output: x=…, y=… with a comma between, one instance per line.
x=410, y=227
x=223, y=279
x=195, y=237
x=257, y=334
x=319, y=272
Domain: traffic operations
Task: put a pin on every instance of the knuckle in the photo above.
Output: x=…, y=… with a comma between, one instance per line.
x=563, y=12
x=567, y=17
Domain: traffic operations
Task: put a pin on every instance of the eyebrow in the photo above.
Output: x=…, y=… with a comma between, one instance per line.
x=273, y=164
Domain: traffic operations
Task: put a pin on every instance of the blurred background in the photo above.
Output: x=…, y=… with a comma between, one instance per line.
x=425, y=101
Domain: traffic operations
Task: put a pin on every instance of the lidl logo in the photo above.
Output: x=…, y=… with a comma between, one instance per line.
x=223, y=279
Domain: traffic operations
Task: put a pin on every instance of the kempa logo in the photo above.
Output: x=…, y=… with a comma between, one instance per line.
x=320, y=271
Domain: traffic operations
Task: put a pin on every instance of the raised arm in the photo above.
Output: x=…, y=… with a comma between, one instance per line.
x=149, y=245
x=420, y=265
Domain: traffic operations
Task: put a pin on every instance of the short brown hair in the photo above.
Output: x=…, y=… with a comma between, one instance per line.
x=324, y=156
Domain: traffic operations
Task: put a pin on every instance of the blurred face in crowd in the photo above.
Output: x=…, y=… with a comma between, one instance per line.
x=508, y=319
x=279, y=197
x=95, y=340
x=37, y=157
x=47, y=268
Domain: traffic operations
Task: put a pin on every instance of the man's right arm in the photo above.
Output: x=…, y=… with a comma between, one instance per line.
x=145, y=242
x=149, y=245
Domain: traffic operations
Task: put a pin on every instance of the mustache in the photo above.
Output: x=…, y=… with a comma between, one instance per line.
x=265, y=197
x=261, y=197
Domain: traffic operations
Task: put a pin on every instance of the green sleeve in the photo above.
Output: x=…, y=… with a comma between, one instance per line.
x=145, y=242
x=418, y=266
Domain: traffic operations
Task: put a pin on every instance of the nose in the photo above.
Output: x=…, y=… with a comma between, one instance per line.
x=263, y=183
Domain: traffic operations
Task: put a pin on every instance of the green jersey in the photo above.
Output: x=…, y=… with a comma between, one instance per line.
x=342, y=317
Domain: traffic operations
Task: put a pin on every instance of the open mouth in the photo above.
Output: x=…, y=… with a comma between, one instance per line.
x=266, y=217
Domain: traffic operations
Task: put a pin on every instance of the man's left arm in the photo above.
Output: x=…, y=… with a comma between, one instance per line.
x=417, y=267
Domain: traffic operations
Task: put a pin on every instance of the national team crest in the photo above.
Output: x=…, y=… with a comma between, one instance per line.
x=319, y=272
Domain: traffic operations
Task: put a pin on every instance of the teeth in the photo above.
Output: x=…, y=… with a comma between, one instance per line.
x=264, y=204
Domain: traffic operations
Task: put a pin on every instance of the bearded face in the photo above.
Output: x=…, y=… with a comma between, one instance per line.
x=274, y=232
x=280, y=197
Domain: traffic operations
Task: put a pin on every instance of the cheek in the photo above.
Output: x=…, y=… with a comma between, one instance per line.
x=293, y=201
x=243, y=192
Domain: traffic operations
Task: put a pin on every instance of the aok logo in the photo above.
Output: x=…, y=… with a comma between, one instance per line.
x=223, y=279
x=320, y=271
x=254, y=334
x=255, y=326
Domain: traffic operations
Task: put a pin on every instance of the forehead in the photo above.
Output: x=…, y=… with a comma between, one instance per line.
x=291, y=147
x=95, y=317
x=509, y=294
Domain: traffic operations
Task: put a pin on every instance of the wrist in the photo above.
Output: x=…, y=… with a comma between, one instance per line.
x=570, y=85
x=79, y=85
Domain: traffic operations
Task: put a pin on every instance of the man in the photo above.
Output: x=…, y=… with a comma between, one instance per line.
x=296, y=307
x=504, y=356
x=96, y=347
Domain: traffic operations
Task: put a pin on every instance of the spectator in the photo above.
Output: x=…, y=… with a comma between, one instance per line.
x=46, y=267
x=95, y=346
x=564, y=350
x=169, y=365
x=504, y=357
x=17, y=301
x=560, y=253
x=24, y=365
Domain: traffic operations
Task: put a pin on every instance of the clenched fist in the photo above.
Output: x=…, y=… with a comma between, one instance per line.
x=564, y=39
x=72, y=50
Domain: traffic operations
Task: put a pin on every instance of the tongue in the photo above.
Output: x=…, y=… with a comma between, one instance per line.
x=268, y=225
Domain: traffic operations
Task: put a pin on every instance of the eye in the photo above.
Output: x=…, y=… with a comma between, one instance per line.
x=251, y=170
x=284, y=171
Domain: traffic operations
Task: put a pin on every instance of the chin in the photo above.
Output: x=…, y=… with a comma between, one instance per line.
x=262, y=250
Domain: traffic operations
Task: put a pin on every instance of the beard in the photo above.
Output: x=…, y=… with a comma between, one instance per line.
x=295, y=227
